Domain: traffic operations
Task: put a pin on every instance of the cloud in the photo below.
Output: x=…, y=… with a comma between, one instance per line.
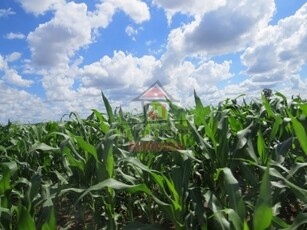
x=13, y=56
x=279, y=51
x=14, y=36
x=131, y=32
x=102, y=16
x=18, y=105
x=38, y=7
x=192, y=7
x=21, y=106
x=118, y=71
x=2, y=63
x=228, y=29
x=10, y=75
x=55, y=42
x=6, y=12
x=204, y=77
x=222, y=27
x=135, y=9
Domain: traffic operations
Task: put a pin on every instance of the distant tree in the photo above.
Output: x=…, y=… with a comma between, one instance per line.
x=267, y=92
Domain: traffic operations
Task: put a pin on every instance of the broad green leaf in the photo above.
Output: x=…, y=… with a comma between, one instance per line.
x=282, y=96
x=300, y=132
x=25, y=220
x=282, y=149
x=231, y=185
x=295, y=168
x=279, y=222
x=107, y=156
x=198, y=200
x=103, y=126
x=267, y=106
x=263, y=210
x=43, y=147
x=35, y=184
x=245, y=225
x=114, y=184
x=275, y=128
x=234, y=219
x=198, y=103
x=175, y=196
x=87, y=147
x=303, y=107
x=50, y=224
x=200, y=141
x=219, y=217
x=298, y=191
x=243, y=135
x=8, y=169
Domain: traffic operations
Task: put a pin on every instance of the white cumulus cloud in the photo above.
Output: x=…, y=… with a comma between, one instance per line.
x=119, y=71
x=55, y=42
x=279, y=51
x=192, y=7
x=228, y=29
x=40, y=6
x=10, y=75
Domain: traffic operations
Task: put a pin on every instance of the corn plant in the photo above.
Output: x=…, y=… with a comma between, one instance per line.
x=236, y=165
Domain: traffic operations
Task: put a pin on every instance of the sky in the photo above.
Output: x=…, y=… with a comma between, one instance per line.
x=57, y=56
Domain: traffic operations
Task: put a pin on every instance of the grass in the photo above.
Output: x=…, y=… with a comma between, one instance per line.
x=231, y=166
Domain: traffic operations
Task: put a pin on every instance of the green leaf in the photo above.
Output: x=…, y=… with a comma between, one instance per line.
x=299, y=220
x=103, y=126
x=108, y=108
x=300, y=132
x=279, y=222
x=87, y=147
x=298, y=191
x=243, y=135
x=198, y=103
x=114, y=184
x=276, y=126
x=43, y=147
x=234, y=218
x=261, y=147
x=232, y=188
x=25, y=220
x=50, y=224
x=8, y=169
x=107, y=156
x=267, y=106
x=282, y=149
x=303, y=107
x=220, y=220
x=263, y=211
x=245, y=225
x=198, y=200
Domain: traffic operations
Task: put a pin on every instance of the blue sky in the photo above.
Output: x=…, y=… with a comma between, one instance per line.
x=57, y=55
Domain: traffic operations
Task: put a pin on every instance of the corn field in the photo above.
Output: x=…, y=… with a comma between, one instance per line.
x=231, y=166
